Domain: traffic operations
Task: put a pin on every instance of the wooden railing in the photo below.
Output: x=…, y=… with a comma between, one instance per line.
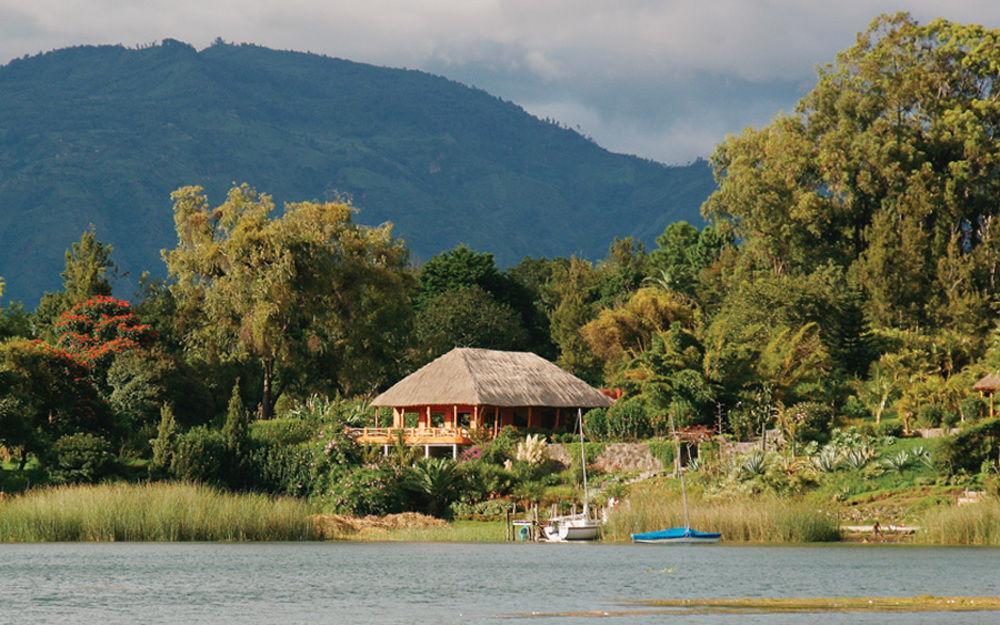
x=411, y=436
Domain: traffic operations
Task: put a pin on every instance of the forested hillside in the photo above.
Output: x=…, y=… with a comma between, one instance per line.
x=101, y=135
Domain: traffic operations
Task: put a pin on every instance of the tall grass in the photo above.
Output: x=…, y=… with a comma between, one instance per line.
x=973, y=524
x=150, y=512
x=761, y=520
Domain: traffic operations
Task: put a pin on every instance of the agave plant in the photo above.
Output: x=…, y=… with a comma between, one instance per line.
x=531, y=449
x=754, y=464
x=921, y=455
x=897, y=463
x=858, y=457
x=827, y=460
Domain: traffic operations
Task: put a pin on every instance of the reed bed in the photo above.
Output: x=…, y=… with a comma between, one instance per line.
x=150, y=512
x=973, y=524
x=761, y=520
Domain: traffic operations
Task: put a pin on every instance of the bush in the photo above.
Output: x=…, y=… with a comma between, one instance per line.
x=82, y=458
x=627, y=419
x=282, y=469
x=366, y=490
x=200, y=456
x=807, y=421
x=967, y=450
x=974, y=408
x=855, y=409
x=287, y=431
x=930, y=415
x=890, y=428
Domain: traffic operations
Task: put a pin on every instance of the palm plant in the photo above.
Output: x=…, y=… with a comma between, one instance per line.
x=436, y=480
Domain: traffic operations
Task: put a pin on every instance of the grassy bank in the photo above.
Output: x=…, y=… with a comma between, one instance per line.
x=974, y=524
x=150, y=512
x=761, y=520
x=456, y=532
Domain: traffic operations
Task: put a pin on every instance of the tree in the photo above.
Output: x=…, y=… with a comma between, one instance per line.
x=574, y=289
x=467, y=317
x=163, y=444
x=95, y=330
x=85, y=275
x=237, y=427
x=887, y=170
x=45, y=394
x=281, y=291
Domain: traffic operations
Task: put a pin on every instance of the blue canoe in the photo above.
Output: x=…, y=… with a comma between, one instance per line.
x=677, y=535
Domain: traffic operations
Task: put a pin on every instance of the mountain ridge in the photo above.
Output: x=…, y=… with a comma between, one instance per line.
x=101, y=134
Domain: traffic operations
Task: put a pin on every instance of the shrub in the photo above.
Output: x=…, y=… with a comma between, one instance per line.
x=286, y=431
x=855, y=409
x=365, y=490
x=967, y=450
x=282, y=469
x=200, y=456
x=628, y=419
x=595, y=426
x=82, y=458
x=974, y=408
x=930, y=415
x=436, y=484
x=483, y=480
x=890, y=428
x=807, y=421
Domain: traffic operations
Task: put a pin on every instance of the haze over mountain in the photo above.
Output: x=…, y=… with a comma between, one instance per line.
x=101, y=135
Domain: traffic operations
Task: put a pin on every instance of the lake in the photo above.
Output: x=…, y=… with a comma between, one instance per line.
x=396, y=583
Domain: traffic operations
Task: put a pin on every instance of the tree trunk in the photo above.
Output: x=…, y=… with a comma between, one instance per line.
x=266, y=401
x=24, y=459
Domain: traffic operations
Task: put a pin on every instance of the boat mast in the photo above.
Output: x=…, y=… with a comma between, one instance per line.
x=583, y=464
x=679, y=469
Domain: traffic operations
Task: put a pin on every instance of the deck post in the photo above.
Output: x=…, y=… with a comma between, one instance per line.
x=454, y=451
x=454, y=418
x=427, y=451
x=475, y=418
x=531, y=417
x=496, y=421
x=385, y=450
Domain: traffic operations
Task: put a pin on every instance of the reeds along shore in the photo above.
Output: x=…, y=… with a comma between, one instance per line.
x=151, y=512
x=974, y=524
x=762, y=520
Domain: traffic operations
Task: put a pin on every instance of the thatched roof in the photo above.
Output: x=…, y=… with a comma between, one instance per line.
x=486, y=377
x=989, y=383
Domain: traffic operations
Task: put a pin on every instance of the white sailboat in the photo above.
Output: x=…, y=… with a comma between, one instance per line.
x=575, y=526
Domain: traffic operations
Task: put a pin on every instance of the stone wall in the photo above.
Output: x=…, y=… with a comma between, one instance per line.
x=617, y=457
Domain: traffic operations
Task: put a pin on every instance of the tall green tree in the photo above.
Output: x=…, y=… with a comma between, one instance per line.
x=887, y=169
x=309, y=286
x=86, y=274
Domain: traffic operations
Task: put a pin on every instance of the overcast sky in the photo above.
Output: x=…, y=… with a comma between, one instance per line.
x=664, y=79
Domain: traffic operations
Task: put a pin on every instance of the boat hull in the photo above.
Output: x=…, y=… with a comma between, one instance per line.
x=676, y=541
x=677, y=536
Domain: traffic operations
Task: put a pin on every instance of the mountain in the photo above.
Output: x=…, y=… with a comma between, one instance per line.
x=101, y=135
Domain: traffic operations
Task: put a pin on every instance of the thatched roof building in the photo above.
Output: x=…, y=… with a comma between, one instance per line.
x=486, y=377
x=988, y=384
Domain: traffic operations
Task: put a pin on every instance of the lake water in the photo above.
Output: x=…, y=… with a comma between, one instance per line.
x=392, y=583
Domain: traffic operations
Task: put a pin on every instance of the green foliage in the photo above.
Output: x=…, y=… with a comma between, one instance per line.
x=806, y=421
x=287, y=431
x=81, y=458
x=200, y=456
x=306, y=291
x=467, y=316
x=627, y=419
x=365, y=490
x=970, y=448
x=163, y=444
x=436, y=483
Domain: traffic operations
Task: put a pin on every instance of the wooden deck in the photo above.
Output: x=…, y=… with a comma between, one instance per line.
x=411, y=436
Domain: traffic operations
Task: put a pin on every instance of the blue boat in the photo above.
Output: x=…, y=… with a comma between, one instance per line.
x=677, y=536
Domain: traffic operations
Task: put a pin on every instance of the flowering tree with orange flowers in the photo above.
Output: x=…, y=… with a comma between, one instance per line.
x=94, y=331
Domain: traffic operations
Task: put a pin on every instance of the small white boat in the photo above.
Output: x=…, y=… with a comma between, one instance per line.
x=571, y=527
x=575, y=526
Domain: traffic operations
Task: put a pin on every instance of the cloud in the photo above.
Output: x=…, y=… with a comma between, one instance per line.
x=662, y=78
